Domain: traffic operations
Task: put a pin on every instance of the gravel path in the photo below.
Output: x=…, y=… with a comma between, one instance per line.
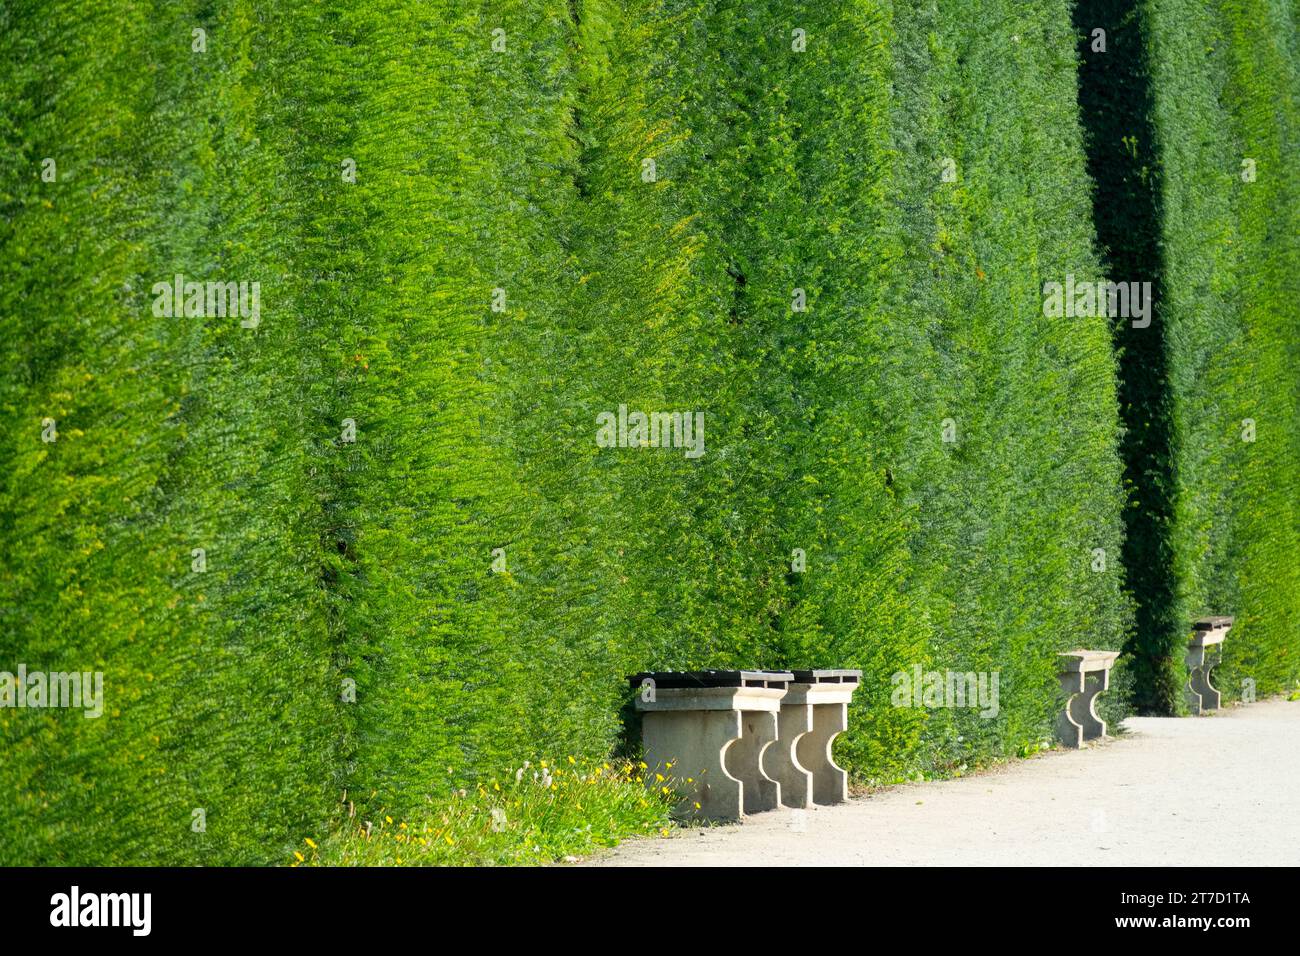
x=1222, y=790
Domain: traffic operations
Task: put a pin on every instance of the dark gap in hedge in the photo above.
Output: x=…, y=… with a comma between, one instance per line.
x=1116, y=108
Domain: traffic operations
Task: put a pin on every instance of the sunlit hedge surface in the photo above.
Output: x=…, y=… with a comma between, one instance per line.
x=367, y=542
x=1227, y=121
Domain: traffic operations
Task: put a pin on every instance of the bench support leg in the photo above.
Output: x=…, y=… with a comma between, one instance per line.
x=782, y=758
x=1079, y=721
x=1202, y=695
x=744, y=760
x=695, y=742
x=813, y=751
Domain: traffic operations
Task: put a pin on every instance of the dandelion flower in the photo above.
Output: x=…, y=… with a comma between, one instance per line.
x=311, y=843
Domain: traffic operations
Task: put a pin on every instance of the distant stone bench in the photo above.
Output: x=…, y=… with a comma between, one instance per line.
x=708, y=730
x=1204, y=652
x=813, y=713
x=1083, y=674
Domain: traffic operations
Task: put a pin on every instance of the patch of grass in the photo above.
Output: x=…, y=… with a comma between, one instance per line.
x=532, y=815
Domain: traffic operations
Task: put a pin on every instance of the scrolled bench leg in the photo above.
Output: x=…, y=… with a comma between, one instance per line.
x=830, y=782
x=1069, y=730
x=1084, y=706
x=781, y=760
x=1202, y=695
x=696, y=742
x=744, y=761
x=1079, y=722
x=1084, y=676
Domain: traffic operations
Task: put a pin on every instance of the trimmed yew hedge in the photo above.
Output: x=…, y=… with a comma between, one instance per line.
x=418, y=566
x=1192, y=114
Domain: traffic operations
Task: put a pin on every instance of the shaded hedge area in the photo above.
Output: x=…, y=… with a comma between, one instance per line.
x=1192, y=113
x=1116, y=106
x=394, y=476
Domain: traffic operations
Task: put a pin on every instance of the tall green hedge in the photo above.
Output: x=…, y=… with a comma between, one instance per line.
x=1192, y=113
x=420, y=565
x=173, y=435
x=1226, y=92
x=1018, y=538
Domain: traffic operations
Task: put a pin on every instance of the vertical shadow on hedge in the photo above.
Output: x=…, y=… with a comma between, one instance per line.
x=1116, y=104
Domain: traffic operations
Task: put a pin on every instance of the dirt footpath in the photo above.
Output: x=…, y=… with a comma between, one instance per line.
x=1208, y=791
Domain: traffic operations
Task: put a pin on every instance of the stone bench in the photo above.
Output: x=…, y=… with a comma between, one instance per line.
x=708, y=730
x=1204, y=652
x=813, y=713
x=1083, y=675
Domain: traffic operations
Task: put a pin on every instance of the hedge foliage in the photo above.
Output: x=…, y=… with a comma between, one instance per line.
x=1192, y=113
x=172, y=435
x=394, y=476
x=1228, y=90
